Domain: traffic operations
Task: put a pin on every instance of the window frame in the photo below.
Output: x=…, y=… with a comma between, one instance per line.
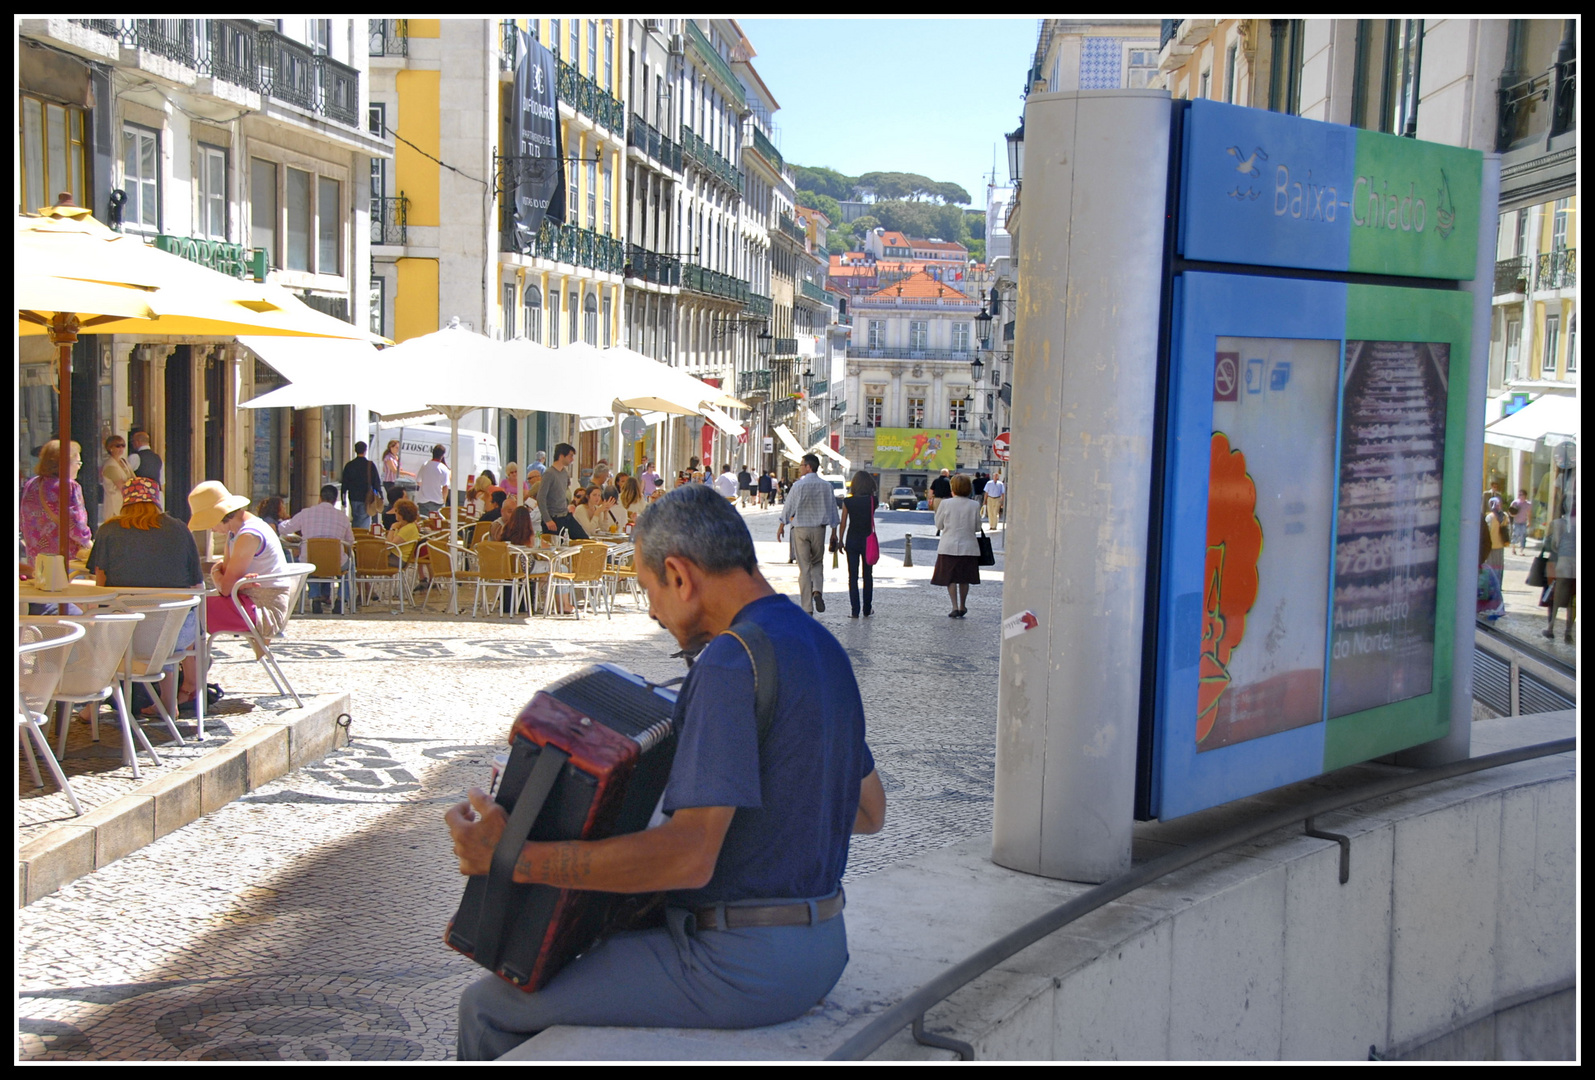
x=532, y=304
x=205, y=197
x=1549, y=353
x=874, y=410
x=75, y=148
x=131, y=221
x=915, y=412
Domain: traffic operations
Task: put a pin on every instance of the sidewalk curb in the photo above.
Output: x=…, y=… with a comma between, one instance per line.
x=173, y=798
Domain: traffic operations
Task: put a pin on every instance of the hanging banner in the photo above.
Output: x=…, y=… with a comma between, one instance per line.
x=536, y=147
x=915, y=448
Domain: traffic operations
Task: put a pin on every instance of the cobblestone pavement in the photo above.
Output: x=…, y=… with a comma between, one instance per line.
x=1524, y=618
x=305, y=921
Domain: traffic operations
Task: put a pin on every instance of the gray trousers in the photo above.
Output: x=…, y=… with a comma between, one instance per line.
x=671, y=977
x=809, y=542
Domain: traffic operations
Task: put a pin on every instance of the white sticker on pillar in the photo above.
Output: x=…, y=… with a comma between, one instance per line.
x=1014, y=625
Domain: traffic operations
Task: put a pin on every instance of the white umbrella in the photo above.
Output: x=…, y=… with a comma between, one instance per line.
x=451, y=371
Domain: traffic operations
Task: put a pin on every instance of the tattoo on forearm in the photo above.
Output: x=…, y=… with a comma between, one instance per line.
x=566, y=866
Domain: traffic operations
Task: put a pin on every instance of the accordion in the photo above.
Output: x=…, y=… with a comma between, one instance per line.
x=589, y=757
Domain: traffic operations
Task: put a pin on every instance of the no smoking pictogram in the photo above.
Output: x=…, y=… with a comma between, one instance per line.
x=1227, y=376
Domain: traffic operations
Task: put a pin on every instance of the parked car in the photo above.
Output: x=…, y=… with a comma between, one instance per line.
x=903, y=498
x=839, y=486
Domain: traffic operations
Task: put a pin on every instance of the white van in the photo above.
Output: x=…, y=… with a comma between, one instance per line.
x=478, y=451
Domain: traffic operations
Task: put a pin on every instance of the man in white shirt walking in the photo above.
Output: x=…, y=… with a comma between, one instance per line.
x=432, y=480
x=995, y=490
x=810, y=506
x=726, y=483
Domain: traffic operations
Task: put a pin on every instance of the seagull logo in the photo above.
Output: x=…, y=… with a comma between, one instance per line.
x=537, y=80
x=1247, y=165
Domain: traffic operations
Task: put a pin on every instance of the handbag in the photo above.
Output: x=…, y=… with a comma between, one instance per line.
x=1537, y=576
x=872, y=545
x=987, y=556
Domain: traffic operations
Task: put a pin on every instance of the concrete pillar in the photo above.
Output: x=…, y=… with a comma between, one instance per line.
x=157, y=355
x=1456, y=745
x=1090, y=255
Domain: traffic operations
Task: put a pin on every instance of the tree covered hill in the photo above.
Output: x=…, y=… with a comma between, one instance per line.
x=907, y=202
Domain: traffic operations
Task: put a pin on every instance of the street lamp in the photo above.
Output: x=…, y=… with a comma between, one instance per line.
x=983, y=325
x=975, y=366
x=1016, y=152
x=766, y=342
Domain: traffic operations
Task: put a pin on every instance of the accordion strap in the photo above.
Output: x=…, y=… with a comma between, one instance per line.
x=501, y=877
x=761, y=653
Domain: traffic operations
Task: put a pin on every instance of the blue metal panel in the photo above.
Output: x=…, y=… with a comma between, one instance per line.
x=1209, y=306
x=1266, y=188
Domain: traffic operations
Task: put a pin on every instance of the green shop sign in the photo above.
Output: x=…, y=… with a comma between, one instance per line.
x=234, y=260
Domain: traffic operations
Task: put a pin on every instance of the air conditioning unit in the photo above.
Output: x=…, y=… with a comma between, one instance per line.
x=653, y=26
x=678, y=46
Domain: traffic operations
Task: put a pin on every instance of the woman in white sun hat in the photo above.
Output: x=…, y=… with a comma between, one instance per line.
x=252, y=550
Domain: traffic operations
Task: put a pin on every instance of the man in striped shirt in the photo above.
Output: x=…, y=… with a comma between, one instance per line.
x=321, y=521
x=810, y=506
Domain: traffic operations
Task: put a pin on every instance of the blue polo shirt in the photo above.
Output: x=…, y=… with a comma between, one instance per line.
x=797, y=799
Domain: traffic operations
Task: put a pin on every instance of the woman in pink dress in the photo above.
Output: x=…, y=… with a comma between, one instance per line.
x=39, y=507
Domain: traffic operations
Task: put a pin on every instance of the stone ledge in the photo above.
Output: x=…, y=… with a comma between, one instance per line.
x=170, y=799
x=1109, y=985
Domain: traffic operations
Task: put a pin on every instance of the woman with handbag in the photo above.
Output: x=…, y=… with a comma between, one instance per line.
x=859, y=540
x=958, y=550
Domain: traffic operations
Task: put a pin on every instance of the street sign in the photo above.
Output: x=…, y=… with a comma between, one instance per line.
x=633, y=428
x=999, y=447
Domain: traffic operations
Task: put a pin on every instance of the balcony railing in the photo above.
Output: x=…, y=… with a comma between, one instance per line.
x=716, y=63
x=709, y=158
x=292, y=71
x=891, y=301
x=107, y=27
x=783, y=408
x=1537, y=107
x=234, y=53
x=652, y=266
x=758, y=305
x=645, y=137
x=713, y=283
x=792, y=228
x=234, y=260
x=786, y=346
x=1557, y=270
x=568, y=244
x=859, y=431
x=590, y=99
x=813, y=291
x=390, y=37
x=762, y=143
x=755, y=382
x=1512, y=275
x=390, y=219
x=864, y=353
x=171, y=38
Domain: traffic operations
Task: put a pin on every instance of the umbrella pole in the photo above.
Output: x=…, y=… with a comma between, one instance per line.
x=64, y=332
x=454, y=500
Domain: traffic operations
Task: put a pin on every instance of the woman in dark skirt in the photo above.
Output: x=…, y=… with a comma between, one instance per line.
x=858, y=522
x=958, y=552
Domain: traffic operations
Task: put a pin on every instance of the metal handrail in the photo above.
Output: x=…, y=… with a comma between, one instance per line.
x=911, y=1010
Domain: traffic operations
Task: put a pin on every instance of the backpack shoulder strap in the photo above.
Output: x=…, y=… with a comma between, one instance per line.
x=761, y=653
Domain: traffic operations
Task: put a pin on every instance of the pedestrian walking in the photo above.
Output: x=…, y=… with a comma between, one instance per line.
x=726, y=482
x=810, y=508
x=1562, y=540
x=360, y=480
x=766, y=489
x=858, y=525
x=745, y=485
x=1500, y=528
x=940, y=488
x=1520, y=510
x=995, y=490
x=432, y=481
x=958, y=552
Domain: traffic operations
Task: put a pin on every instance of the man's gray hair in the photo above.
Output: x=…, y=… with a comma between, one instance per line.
x=695, y=523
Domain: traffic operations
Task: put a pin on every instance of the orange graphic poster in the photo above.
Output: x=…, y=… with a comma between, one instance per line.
x=1234, y=545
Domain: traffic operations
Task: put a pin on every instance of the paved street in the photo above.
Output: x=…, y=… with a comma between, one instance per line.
x=305, y=921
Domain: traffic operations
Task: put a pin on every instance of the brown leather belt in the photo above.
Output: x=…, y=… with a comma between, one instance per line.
x=793, y=913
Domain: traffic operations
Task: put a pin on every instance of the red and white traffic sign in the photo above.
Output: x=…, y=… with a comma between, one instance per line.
x=999, y=447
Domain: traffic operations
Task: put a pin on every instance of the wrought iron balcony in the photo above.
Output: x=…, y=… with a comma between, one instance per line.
x=390, y=219
x=171, y=38
x=292, y=71
x=1557, y=270
x=786, y=346
x=340, y=91
x=652, y=266
x=390, y=37
x=792, y=228
x=716, y=63
x=1538, y=107
x=755, y=382
x=713, y=283
x=645, y=137
x=766, y=148
x=783, y=408
x=758, y=305
x=814, y=292
x=864, y=353
x=1512, y=275
x=859, y=431
x=567, y=244
x=107, y=27
x=233, y=54
x=707, y=157
x=590, y=99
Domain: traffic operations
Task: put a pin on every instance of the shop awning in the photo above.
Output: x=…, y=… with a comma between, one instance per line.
x=723, y=420
x=300, y=359
x=1552, y=417
x=789, y=441
x=825, y=449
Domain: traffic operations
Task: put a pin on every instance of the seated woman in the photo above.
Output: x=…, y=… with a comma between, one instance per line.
x=631, y=501
x=407, y=533
x=598, y=514
x=274, y=511
x=253, y=550
x=511, y=504
x=145, y=547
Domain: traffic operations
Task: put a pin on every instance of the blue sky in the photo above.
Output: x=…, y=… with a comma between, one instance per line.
x=930, y=96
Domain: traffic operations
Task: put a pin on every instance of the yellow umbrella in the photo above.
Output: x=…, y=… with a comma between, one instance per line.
x=74, y=275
